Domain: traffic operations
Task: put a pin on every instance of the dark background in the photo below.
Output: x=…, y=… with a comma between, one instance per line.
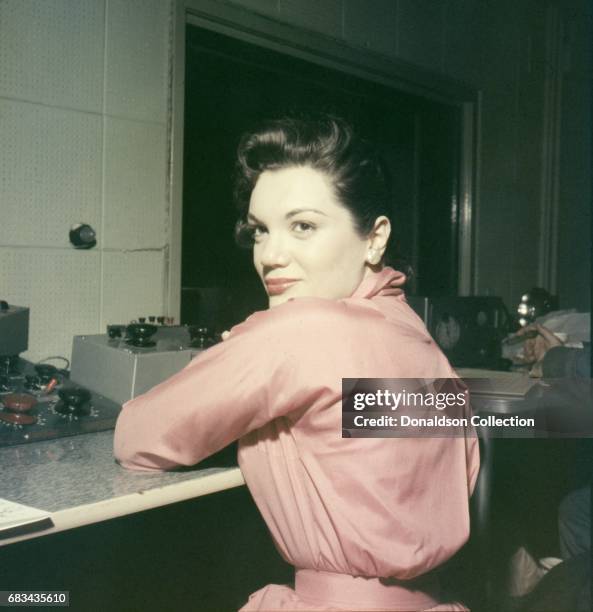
x=230, y=85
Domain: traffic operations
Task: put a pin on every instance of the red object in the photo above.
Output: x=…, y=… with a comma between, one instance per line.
x=18, y=418
x=19, y=402
x=51, y=385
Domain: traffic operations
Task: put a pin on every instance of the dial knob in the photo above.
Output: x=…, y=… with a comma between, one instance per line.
x=74, y=401
x=19, y=402
x=139, y=334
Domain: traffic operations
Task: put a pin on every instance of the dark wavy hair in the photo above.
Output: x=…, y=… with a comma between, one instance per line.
x=326, y=143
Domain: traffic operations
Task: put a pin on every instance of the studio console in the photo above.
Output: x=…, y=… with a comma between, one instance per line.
x=38, y=402
x=41, y=401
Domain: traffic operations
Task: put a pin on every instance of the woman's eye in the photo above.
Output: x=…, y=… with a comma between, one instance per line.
x=257, y=231
x=302, y=227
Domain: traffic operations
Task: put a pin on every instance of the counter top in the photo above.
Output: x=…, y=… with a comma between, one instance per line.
x=77, y=481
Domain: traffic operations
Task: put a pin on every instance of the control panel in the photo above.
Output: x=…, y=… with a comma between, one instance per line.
x=41, y=401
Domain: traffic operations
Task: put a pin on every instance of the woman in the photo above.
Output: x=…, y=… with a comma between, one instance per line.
x=361, y=519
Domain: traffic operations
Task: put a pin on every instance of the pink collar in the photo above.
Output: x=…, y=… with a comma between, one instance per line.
x=385, y=282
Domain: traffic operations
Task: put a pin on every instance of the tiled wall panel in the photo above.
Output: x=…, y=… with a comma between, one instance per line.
x=264, y=7
x=51, y=51
x=132, y=286
x=421, y=32
x=574, y=239
x=324, y=17
x=135, y=172
x=461, y=39
x=50, y=173
x=372, y=25
x=61, y=287
x=137, y=61
x=67, y=156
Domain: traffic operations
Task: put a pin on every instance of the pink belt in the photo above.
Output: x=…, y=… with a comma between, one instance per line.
x=353, y=592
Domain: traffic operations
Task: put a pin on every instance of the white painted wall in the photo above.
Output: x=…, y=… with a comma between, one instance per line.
x=83, y=137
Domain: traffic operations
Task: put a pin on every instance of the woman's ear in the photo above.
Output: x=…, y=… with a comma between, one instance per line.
x=377, y=241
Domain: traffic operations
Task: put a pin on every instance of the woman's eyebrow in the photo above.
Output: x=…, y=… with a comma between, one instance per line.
x=252, y=217
x=289, y=215
x=298, y=211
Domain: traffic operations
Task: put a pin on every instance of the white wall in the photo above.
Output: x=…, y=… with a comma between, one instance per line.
x=83, y=133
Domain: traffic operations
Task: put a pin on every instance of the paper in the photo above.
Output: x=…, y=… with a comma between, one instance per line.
x=16, y=519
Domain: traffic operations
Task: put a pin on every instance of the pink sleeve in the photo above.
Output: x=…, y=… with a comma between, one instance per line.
x=224, y=393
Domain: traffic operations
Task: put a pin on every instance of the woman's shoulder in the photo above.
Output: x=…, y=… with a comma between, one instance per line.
x=308, y=316
x=316, y=334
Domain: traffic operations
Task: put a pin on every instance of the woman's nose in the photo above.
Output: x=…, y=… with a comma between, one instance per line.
x=273, y=252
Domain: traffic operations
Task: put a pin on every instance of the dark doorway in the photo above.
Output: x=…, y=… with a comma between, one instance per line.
x=230, y=85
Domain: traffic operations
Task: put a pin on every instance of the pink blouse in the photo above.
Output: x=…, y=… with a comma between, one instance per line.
x=344, y=512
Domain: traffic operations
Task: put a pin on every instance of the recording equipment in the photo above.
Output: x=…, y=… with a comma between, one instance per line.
x=469, y=329
x=535, y=303
x=14, y=329
x=130, y=360
x=38, y=402
x=41, y=402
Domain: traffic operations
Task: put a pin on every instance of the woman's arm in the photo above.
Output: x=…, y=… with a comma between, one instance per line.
x=259, y=373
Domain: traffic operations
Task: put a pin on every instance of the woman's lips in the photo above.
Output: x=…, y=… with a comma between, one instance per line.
x=276, y=286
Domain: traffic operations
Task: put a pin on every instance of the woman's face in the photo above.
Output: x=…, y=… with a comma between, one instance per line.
x=305, y=241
